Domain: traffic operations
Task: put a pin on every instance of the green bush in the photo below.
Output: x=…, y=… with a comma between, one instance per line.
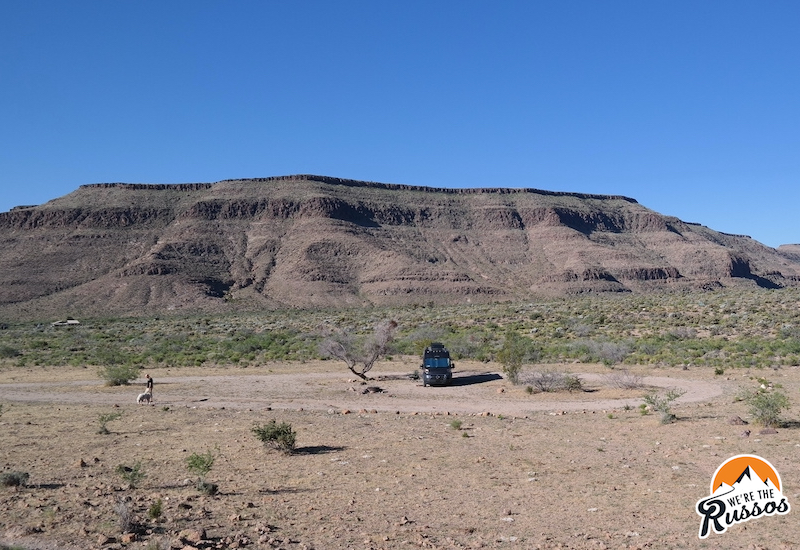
x=104, y=419
x=278, y=436
x=662, y=402
x=156, y=509
x=119, y=375
x=511, y=355
x=766, y=406
x=201, y=464
x=132, y=474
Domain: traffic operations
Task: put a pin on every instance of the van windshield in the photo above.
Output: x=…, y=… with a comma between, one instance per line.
x=433, y=362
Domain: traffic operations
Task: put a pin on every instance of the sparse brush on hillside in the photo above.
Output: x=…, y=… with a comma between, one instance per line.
x=726, y=329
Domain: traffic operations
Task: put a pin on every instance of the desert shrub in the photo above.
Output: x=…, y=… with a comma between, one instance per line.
x=201, y=464
x=572, y=382
x=7, y=352
x=546, y=381
x=766, y=406
x=126, y=519
x=662, y=402
x=132, y=474
x=582, y=330
x=119, y=375
x=278, y=436
x=611, y=353
x=624, y=380
x=515, y=351
x=13, y=479
x=104, y=419
x=473, y=343
x=207, y=488
x=682, y=333
x=359, y=354
x=456, y=424
x=608, y=353
x=511, y=355
x=156, y=509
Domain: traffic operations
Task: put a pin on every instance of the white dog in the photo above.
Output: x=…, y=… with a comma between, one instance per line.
x=145, y=397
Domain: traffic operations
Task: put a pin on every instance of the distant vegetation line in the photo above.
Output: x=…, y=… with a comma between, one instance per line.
x=722, y=329
x=358, y=183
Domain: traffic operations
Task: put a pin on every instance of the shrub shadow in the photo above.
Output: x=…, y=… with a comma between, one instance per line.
x=317, y=450
x=289, y=490
x=48, y=485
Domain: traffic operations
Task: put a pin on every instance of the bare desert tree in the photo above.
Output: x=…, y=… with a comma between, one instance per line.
x=359, y=354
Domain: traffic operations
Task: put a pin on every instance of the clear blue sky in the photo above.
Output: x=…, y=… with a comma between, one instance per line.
x=692, y=108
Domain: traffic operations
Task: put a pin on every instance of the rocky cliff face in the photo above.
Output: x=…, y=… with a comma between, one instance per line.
x=304, y=241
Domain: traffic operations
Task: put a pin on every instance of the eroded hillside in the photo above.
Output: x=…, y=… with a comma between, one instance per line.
x=303, y=241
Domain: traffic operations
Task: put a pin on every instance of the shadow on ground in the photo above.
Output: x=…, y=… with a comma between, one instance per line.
x=317, y=450
x=475, y=379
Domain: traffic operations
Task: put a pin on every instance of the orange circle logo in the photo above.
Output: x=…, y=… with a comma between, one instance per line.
x=731, y=470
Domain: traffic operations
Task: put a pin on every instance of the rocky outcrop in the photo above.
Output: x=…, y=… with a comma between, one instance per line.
x=109, y=218
x=305, y=241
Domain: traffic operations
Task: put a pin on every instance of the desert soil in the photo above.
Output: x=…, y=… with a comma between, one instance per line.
x=478, y=464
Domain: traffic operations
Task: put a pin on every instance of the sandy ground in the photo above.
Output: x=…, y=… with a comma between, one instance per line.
x=480, y=463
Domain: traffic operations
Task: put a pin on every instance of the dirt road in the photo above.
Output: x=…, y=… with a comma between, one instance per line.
x=322, y=386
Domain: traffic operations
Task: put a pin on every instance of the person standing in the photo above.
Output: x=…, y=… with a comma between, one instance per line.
x=149, y=387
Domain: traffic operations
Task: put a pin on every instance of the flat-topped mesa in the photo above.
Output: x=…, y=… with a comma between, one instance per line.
x=422, y=188
x=150, y=186
x=318, y=241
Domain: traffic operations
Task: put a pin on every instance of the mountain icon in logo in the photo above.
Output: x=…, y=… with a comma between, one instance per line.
x=747, y=482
